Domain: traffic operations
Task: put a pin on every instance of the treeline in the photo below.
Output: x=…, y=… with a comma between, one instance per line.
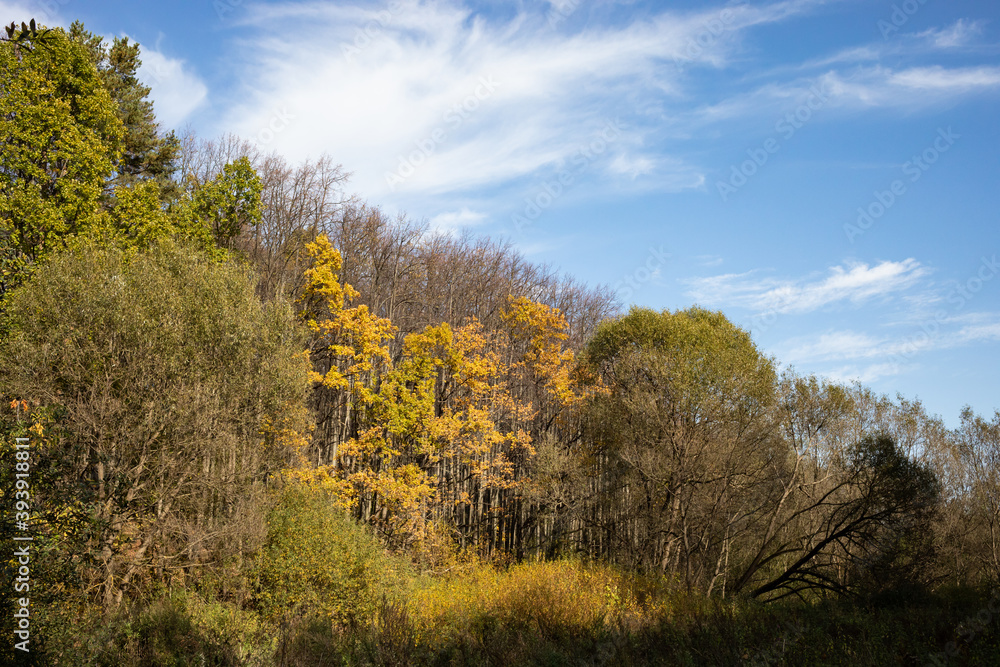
x=664, y=441
x=193, y=327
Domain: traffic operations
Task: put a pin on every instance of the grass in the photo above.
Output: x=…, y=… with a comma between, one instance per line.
x=553, y=613
x=321, y=591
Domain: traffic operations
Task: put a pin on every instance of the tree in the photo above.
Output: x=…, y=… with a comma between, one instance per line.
x=177, y=393
x=348, y=348
x=226, y=206
x=60, y=139
x=81, y=156
x=681, y=436
x=146, y=155
x=316, y=558
x=443, y=440
x=978, y=453
x=872, y=521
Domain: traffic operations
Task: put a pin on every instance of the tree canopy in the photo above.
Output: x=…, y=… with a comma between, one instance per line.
x=211, y=351
x=172, y=390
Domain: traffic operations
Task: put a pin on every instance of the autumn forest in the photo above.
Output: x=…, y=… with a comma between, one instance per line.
x=250, y=419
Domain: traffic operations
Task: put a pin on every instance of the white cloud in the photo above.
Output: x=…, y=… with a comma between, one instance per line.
x=851, y=345
x=911, y=88
x=866, y=374
x=855, y=90
x=45, y=13
x=175, y=90
x=430, y=101
x=453, y=221
x=383, y=87
x=888, y=354
x=838, y=345
x=937, y=78
x=959, y=34
x=978, y=332
x=709, y=260
x=856, y=283
x=632, y=166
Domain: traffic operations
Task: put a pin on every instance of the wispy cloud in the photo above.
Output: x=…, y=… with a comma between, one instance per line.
x=709, y=260
x=834, y=346
x=939, y=79
x=356, y=79
x=884, y=350
x=961, y=33
x=866, y=374
x=840, y=346
x=910, y=88
x=855, y=283
x=176, y=90
x=439, y=105
x=853, y=90
x=978, y=332
x=453, y=221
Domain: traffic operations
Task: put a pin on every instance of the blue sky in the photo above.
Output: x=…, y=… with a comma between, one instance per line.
x=824, y=172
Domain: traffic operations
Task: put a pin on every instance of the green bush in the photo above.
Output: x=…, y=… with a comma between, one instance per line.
x=316, y=559
x=173, y=394
x=180, y=628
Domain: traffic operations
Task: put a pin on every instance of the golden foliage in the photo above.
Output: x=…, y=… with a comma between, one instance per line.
x=453, y=402
x=544, y=330
x=353, y=338
x=553, y=598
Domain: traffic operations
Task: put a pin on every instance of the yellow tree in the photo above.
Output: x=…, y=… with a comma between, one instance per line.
x=446, y=433
x=349, y=350
x=538, y=350
x=546, y=376
x=438, y=446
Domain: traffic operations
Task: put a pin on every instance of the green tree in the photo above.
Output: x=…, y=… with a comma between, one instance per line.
x=226, y=205
x=177, y=392
x=146, y=154
x=60, y=139
x=317, y=559
x=81, y=156
x=681, y=433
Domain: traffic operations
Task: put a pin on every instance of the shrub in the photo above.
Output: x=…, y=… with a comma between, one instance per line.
x=318, y=560
x=180, y=628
